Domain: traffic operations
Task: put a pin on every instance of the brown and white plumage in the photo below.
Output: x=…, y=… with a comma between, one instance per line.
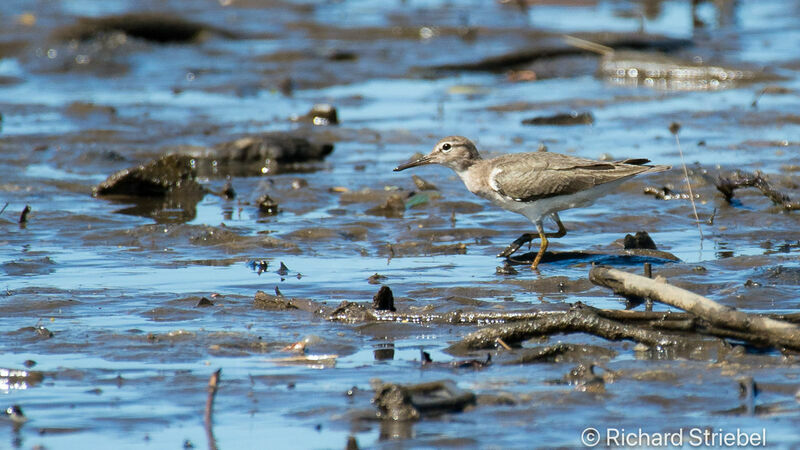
x=532, y=184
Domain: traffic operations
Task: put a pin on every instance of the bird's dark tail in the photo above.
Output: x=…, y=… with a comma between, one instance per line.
x=642, y=162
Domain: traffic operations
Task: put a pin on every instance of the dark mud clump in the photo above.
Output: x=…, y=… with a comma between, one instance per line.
x=269, y=302
x=259, y=154
x=154, y=27
x=267, y=206
x=383, y=300
x=399, y=403
x=320, y=114
x=562, y=119
x=394, y=206
x=155, y=179
x=641, y=240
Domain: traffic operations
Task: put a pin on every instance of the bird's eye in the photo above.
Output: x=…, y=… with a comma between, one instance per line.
x=446, y=147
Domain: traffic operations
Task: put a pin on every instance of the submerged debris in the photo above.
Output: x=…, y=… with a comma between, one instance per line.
x=320, y=114
x=157, y=178
x=19, y=379
x=423, y=185
x=397, y=402
x=507, y=269
x=376, y=278
x=662, y=72
x=267, y=206
x=280, y=147
x=559, y=353
x=665, y=193
x=427, y=361
x=262, y=300
x=351, y=312
x=393, y=206
x=727, y=184
x=204, y=302
x=299, y=183
x=641, y=240
x=775, y=90
x=258, y=265
x=23, y=216
x=517, y=58
x=383, y=300
x=282, y=270
x=657, y=70
x=228, y=192
x=562, y=119
x=583, y=378
x=156, y=27
x=579, y=319
x=258, y=154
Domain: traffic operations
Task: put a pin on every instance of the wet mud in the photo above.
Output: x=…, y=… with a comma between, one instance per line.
x=194, y=187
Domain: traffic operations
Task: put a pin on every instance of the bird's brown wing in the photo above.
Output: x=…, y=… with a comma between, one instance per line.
x=533, y=176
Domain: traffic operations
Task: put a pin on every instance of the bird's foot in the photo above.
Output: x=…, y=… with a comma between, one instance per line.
x=514, y=246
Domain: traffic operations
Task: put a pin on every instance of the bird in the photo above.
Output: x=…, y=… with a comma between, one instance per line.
x=534, y=184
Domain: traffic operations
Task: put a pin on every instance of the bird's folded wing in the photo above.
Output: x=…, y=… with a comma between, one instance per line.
x=550, y=174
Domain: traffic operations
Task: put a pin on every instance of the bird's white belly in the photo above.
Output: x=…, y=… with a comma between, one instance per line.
x=538, y=209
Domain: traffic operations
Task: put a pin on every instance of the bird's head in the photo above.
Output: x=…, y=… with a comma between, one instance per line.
x=455, y=152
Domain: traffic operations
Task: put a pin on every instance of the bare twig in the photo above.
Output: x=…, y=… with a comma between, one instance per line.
x=775, y=332
x=674, y=128
x=213, y=384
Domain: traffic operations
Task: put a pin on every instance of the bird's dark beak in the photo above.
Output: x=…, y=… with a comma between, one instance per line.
x=420, y=162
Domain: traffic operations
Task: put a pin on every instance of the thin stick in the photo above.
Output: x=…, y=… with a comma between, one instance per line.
x=503, y=344
x=213, y=384
x=648, y=272
x=674, y=128
x=583, y=44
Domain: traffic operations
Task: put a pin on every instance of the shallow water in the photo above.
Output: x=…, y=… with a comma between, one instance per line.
x=131, y=354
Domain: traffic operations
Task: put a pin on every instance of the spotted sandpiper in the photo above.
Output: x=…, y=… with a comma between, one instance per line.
x=536, y=185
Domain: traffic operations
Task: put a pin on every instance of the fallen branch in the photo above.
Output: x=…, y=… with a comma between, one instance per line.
x=579, y=319
x=739, y=179
x=774, y=332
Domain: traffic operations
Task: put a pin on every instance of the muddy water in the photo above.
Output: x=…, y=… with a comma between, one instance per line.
x=100, y=296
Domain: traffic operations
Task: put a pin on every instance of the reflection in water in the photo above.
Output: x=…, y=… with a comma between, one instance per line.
x=723, y=250
x=384, y=352
x=172, y=209
x=392, y=430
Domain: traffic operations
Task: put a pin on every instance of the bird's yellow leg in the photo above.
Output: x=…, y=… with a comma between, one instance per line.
x=562, y=231
x=542, y=246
